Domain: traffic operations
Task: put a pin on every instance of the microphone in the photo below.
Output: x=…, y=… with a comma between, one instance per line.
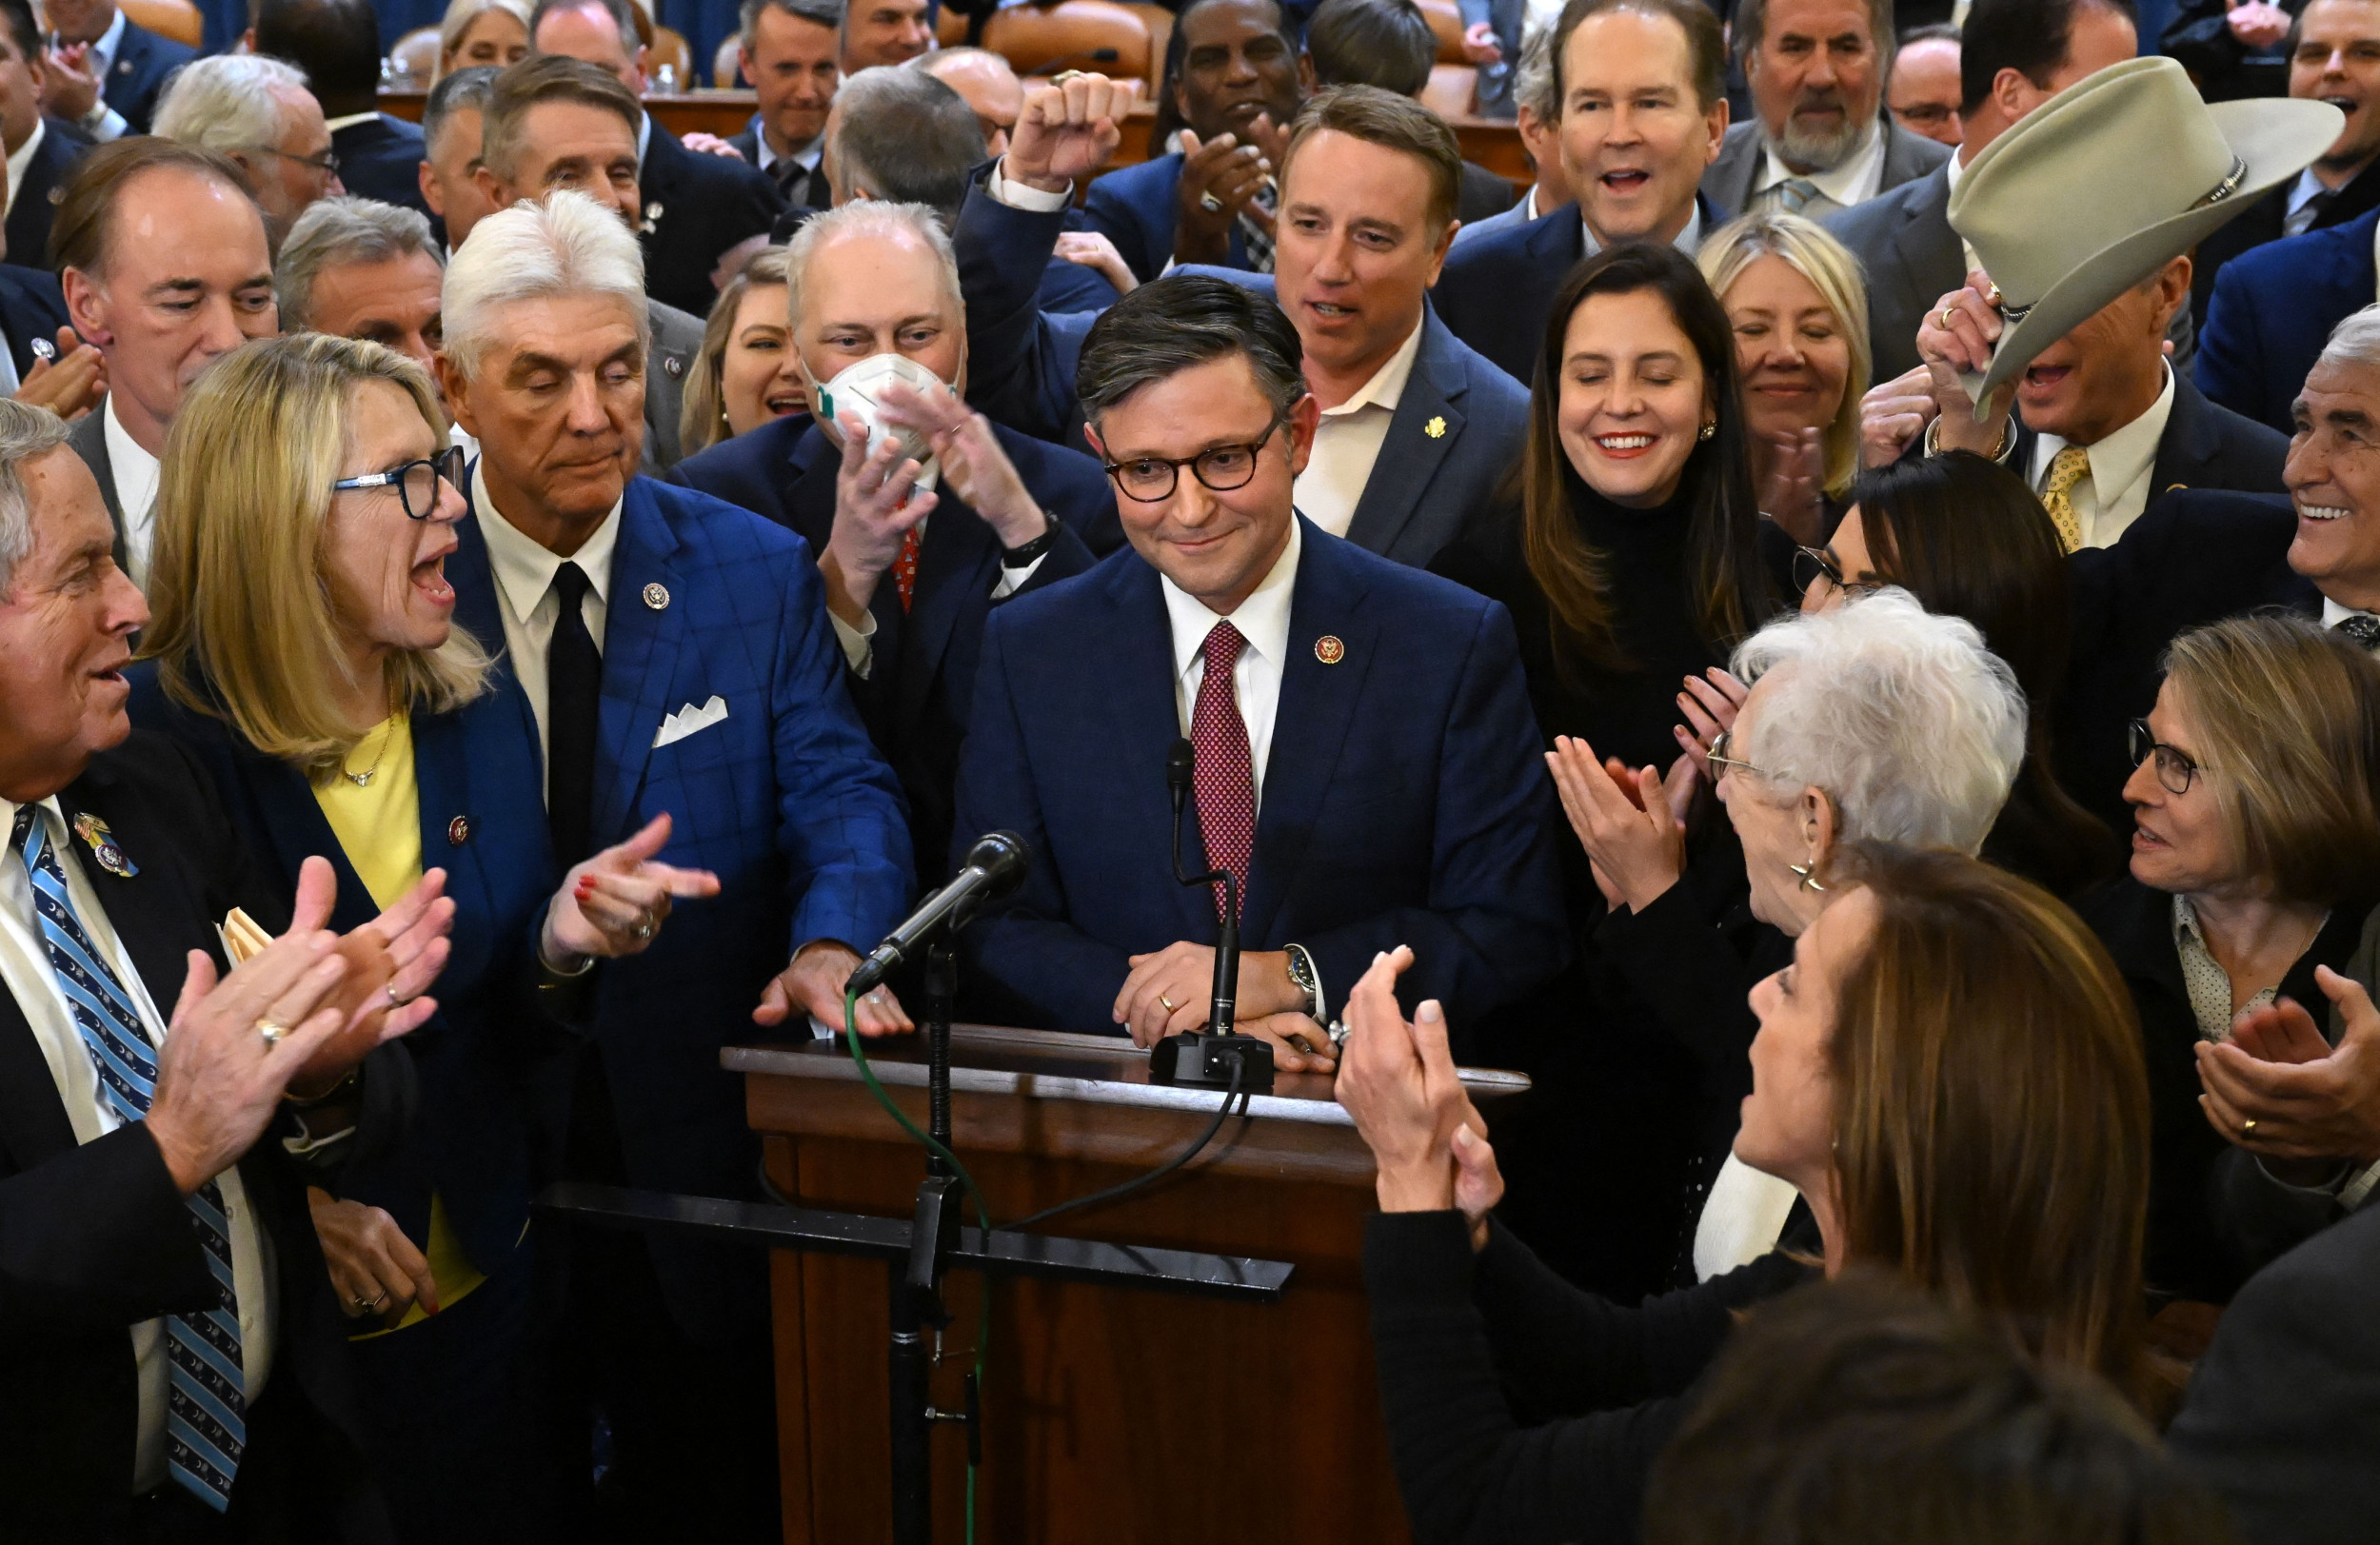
x=995, y=865
x=1207, y=1056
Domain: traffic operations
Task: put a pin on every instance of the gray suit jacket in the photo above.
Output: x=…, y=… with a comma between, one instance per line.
x=1727, y=182
x=677, y=347
x=89, y=436
x=1913, y=258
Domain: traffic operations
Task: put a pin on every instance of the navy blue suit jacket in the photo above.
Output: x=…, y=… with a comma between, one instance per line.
x=1495, y=291
x=31, y=305
x=476, y=765
x=1136, y=208
x=922, y=671
x=381, y=158
x=2273, y=309
x=137, y=79
x=36, y=205
x=784, y=800
x=1405, y=798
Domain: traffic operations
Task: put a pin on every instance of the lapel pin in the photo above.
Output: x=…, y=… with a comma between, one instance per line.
x=458, y=831
x=1329, y=650
x=657, y=596
x=1436, y=428
x=125, y=69
x=103, y=845
x=672, y=366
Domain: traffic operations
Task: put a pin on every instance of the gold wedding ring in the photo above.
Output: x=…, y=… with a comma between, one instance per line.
x=1948, y=311
x=2247, y=1128
x=1167, y=1002
x=272, y=1030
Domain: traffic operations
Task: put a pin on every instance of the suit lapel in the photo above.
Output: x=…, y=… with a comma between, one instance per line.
x=150, y=915
x=954, y=567
x=1412, y=452
x=477, y=607
x=1317, y=702
x=298, y=829
x=1930, y=251
x=442, y=772
x=1138, y=646
x=90, y=439
x=641, y=647
x=2188, y=447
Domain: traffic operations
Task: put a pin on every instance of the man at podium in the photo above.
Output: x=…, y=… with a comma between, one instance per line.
x=1366, y=765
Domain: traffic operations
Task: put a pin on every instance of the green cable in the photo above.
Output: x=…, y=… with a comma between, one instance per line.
x=982, y=1213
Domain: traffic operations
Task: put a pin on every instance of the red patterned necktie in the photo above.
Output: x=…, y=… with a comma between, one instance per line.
x=1225, y=780
x=905, y=569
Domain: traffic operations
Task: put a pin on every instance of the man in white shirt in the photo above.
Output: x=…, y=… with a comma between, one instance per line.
x=1366, y=766
x=164, y=262
x=1818, y=142
x=40, y=151
x=171, y=1325
x=788, y=53
x=106, y=70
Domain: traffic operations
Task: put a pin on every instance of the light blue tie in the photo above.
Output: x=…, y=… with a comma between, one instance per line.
x=207, y=1401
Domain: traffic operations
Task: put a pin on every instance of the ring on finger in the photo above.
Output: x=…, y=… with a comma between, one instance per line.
x=1167, y=1002
x=272, y=1030
x=363, y=1305
x=2247, y=1128
x=1212, y=205
x=1948, y=312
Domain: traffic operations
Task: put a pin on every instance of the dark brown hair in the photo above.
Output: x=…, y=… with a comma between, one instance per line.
x=1394, y=123
x=1706, y=43
x=1991, y=1109
x=86, y=215
x=540, y=78
x=1729, y=587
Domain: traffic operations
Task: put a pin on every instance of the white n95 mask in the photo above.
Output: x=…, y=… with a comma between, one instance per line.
x=854, y=393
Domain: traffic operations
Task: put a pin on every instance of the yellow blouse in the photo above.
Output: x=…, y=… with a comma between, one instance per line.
x=378, y=823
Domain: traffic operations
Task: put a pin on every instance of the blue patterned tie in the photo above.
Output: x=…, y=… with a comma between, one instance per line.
x=207, y=1402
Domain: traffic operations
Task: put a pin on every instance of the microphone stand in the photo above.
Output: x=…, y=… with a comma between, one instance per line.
x=1214, y=1057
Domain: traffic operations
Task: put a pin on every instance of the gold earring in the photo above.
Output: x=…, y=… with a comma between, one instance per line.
x=1707, y=431
x=1809, y=880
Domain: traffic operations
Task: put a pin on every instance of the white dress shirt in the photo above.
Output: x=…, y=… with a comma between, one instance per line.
x=523, y=569
x=806, y=156
x=1689, y=240
x=1856, y=179
x=135, y=474
x=2334, y=614
x=1263, y=621
x=1348, y=441
x=103, y=123
x=26, y=973
x=2114, y=492
x=22, y=157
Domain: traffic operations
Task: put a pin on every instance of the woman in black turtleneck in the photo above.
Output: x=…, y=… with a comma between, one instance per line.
x=1631, y=562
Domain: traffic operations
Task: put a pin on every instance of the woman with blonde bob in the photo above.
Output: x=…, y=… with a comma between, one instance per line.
x=302, y=645
x=1799, y=310
x=746, y=374
x=2256, y=858
x=1949, y=1073
x=482, y=32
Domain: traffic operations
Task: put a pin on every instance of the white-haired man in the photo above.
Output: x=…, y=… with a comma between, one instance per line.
x=257, y=113
x=702, y=630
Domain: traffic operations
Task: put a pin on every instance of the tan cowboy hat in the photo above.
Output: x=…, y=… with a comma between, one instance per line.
x=2109, y=181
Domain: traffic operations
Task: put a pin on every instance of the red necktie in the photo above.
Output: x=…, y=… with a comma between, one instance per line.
x=905, y=569
x=1225, y=780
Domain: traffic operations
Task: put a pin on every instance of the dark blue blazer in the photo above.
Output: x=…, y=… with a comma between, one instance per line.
x=1136, y=208
x=136, y=80
x=1495, y=292
x=1425, y=486
x=477, y=765
x=36, y=205
x=381, y=158
x=1021, y=355
x=2273, y=309
x=696, y=207
x=1405, y=798
x=31, y=305
x=785, y=801
x=922, y=672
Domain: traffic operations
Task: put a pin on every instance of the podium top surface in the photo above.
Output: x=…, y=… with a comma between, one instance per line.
x=1051, y=1064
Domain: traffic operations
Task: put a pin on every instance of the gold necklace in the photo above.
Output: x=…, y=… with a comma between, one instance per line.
x=363, y=779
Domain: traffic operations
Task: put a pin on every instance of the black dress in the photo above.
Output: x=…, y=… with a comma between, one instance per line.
x=1519, y=1410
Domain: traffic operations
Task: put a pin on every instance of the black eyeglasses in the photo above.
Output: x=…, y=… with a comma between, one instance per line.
x=2175, y=767
x=326, y=162
x=1813, y=564
x=416, y=482
x=1151, y=479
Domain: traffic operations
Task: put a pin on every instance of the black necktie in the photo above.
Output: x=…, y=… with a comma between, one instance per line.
x=2361, y=627
x=574, y=670
x=793, y=180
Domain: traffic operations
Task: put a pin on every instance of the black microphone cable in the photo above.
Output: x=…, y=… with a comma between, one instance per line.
x=1140, y=1182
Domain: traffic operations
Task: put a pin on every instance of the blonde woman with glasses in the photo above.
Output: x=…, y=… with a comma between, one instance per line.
x=302, y=647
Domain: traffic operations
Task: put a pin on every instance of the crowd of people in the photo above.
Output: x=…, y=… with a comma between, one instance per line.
x=1835, y=631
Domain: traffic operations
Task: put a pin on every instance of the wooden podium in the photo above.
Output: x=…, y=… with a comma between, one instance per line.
x=1108, y=1415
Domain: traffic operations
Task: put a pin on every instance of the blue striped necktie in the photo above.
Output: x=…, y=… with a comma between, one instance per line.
x=206, y=1401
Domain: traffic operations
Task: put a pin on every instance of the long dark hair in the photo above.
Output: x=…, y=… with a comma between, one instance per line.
x=1967, y=539
x=1728, y=585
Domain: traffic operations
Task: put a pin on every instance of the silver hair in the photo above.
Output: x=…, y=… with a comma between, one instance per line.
x=336, y=231
x=1909, y=723
x=1533, y=79
x=2355, y=339
x=226, y=103
x=25, y=433
x=567, y=245
x=873, y=217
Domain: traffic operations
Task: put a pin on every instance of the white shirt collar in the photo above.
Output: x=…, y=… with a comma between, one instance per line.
x=1387, y=385
x=103, y=52
x=2307, y=186
x=525, y=567
x=806, y=156
x=23, y=156
x=1689, y=240
x=2123, y=457
x=349, y=120
x=643, y=137
x=1262, y=618
x=2334, y=613
x=1851, y=181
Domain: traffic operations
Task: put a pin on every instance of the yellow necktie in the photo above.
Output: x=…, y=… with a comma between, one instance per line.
x=2067, y=467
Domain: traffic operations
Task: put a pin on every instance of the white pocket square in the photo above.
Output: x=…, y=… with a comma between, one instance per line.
x=686, y=720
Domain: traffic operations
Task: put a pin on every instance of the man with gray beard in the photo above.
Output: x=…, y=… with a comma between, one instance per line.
x=1817, y=142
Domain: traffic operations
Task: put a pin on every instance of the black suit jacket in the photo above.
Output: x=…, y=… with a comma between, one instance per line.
x=36, y=202
x=922, y=671
x=95, y=1238
x=810, y=193
x=143, y=62
x=696, y=207
x=89, y=437
x=2205, y=446
x=2196, y=557
x=31, y=305
x=2282, y=1413
x=381, y=158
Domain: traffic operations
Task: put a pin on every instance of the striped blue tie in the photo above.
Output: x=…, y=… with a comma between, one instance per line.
x=207, y=1401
